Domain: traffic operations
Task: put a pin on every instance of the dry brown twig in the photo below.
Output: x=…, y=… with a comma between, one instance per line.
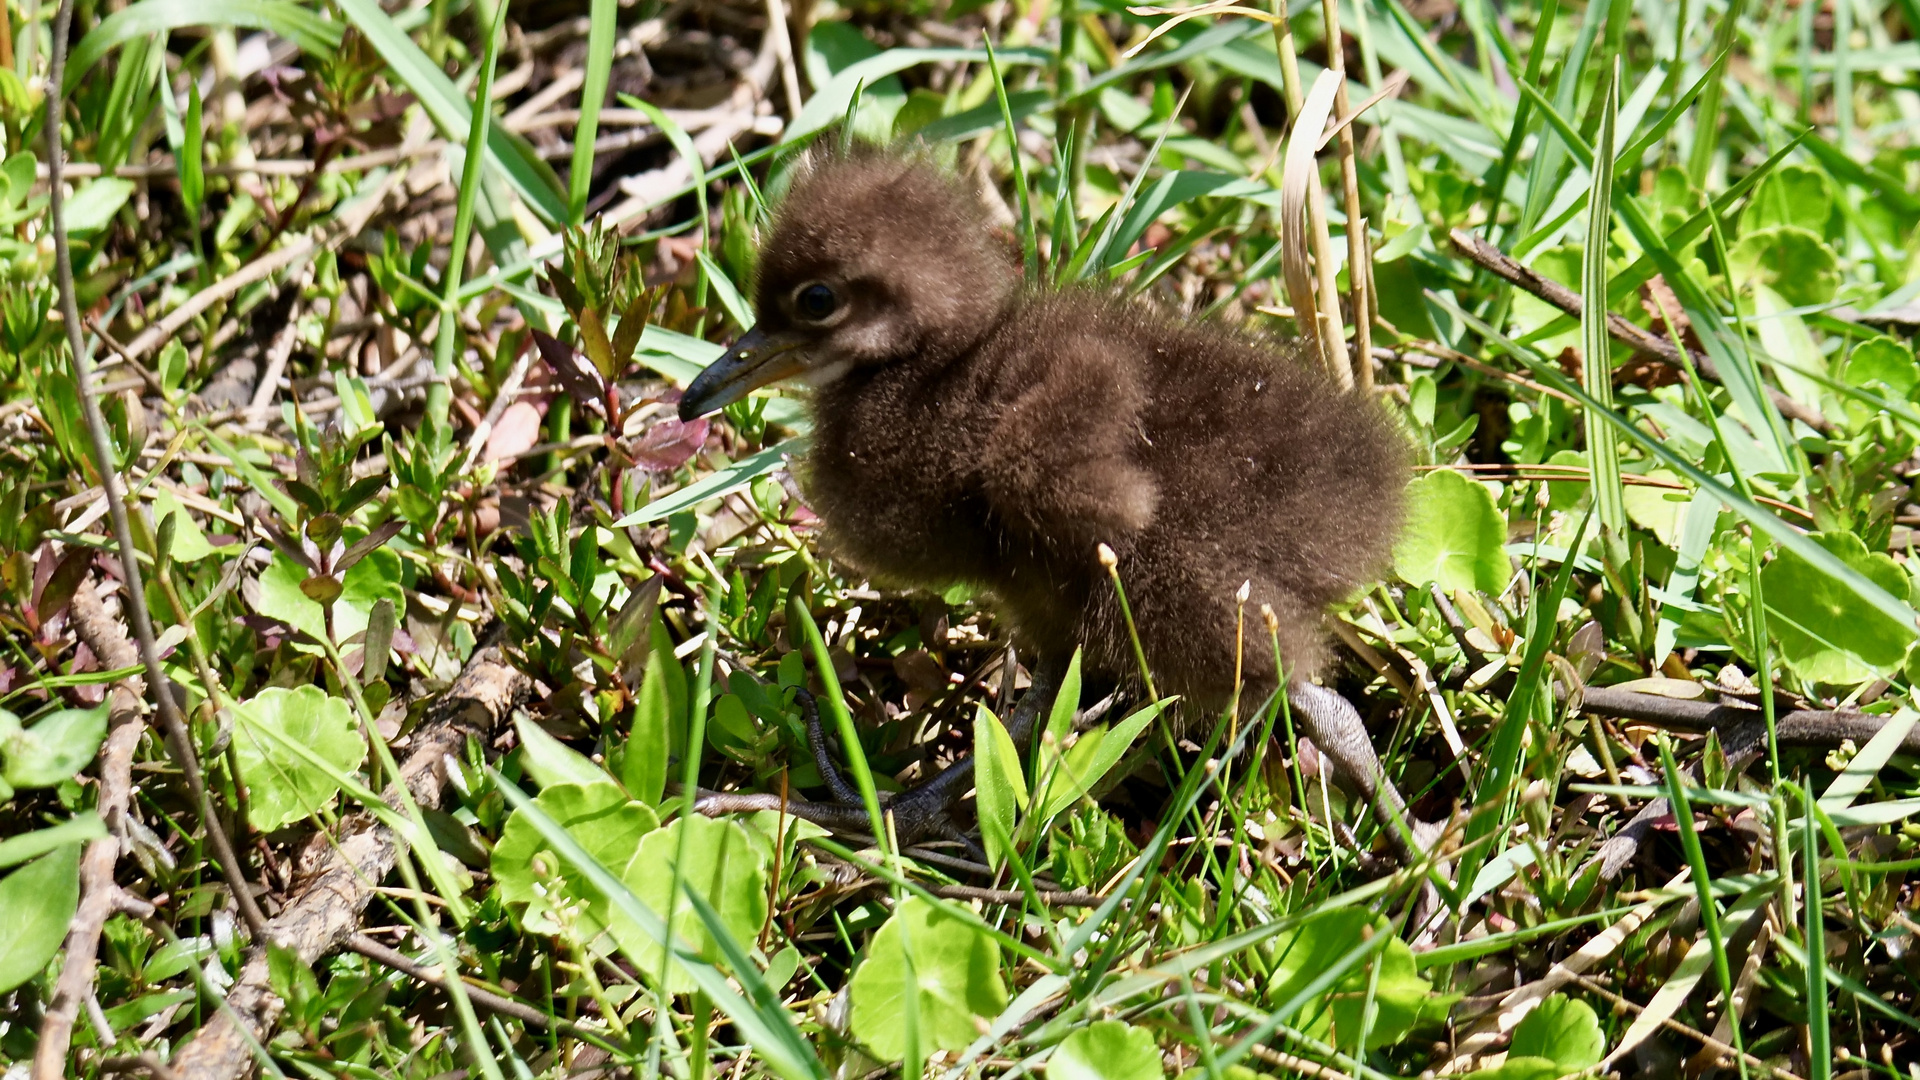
x=1743, y=733
x=1545, y=288
x=1817, y=728
x=481, y=996
x=326, y=909
x=166, y=166
x=100, y=896
x=147, y=1063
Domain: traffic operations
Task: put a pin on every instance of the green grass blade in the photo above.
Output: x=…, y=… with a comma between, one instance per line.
x=1494, y=187
x=1029, y=240
x=829, y=103
x=440, y=393
x=1499, y=773
x=262, y=484
x=1709, y=908
x=696, y=745
x=682, y=145
x=1814, y=931
x=1543, y=176
x=1321, y=983
x=729, y=294
x=715, y=485
x=1099, y=256
x=1603, y=449
x=604, y=28
x=1706, y=124
x=1735, y=365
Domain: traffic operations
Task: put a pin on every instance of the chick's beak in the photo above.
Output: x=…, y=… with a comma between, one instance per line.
x=758, y=358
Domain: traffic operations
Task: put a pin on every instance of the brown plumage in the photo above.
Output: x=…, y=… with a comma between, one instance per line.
x=969, y=430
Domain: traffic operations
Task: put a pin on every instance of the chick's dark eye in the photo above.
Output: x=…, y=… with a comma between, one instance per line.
x=816, y=302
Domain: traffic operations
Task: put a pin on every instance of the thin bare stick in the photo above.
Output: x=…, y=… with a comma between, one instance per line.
x=279, y=351
x=99, y=895
x=1819, y=728
x=167, y=166
x=1545, y=288
x=179, y=317
x=1303, y=233
x=1545, y=471
x=482, y=997
x=783, y=50
x=147, y=1063
x=135, y=609
x=1051, y=898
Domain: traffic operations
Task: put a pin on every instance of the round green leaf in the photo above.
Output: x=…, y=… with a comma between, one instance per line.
x=372, y=579
x=283, y=785
x=1454, y=537
x=1106, y=1050
x=54, y=748
x=533, y=879
x=1563, y=1030
x=724, y=863
x=36, y=903
x=1826, y=634
x=1304, y=953
x=1789, y=260
x=1884, y=366
x=1521, y=1068
x=1674, y=198
x=954, y=971
x=1794, y=194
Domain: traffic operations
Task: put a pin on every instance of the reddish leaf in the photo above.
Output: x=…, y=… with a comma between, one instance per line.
x=579, y=378
x=58, y=587
x=669, y=444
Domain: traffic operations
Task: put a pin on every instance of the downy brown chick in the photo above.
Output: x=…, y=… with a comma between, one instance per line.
x=969, y=430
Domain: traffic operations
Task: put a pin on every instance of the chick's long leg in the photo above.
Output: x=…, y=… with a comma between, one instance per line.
x=923, y=808
x=917, y=812
x=843, y=793
x=1339, y=733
